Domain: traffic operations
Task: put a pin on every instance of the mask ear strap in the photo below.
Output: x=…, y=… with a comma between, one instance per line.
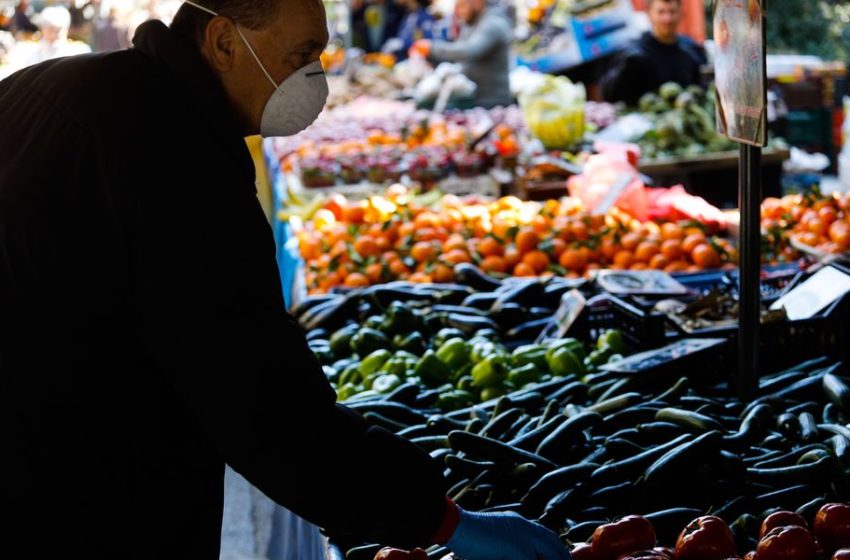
x=251, y=50
x=202, y=8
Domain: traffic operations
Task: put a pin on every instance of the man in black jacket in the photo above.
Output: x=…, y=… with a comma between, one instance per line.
x=658, y=56
x=143, y=337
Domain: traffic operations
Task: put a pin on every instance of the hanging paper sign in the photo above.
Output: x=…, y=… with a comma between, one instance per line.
x=739, y=70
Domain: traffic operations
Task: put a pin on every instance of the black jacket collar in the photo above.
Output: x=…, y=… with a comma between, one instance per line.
x=202, y=91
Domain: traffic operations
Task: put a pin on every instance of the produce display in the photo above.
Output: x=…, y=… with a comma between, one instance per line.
x=708, y=475
x=461, y=345
x=811, y=223
x=380, y=141
x=358, y=243
x=682, y=123
x=555, y=112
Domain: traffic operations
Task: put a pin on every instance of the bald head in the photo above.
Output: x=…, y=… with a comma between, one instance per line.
x=469, y=10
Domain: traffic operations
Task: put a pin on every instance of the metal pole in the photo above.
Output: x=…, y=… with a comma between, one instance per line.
x=749, y=283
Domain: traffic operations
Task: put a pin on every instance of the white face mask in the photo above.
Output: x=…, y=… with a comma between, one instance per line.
x=296, y=102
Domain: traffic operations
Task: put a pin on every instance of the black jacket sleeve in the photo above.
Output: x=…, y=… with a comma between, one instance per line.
x=212, y=311
x=622, y=81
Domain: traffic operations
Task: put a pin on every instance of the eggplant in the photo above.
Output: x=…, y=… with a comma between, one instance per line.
x=469, y=324
x=310, y=302
x=472, y=276
x=482, y=300
x=529, y=330
x=528, y=293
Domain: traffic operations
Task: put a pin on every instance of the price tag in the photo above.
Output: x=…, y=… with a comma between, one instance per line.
x=572, y=304
x=813, y=295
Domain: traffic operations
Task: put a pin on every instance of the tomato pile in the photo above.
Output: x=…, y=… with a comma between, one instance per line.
x=813, y=220
x=359, y=243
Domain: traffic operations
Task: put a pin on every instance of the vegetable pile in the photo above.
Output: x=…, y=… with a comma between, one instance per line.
x=460, y=346
x=580, y=450
x=397, y=237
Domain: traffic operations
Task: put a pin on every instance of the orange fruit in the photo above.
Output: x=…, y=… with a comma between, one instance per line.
x=579, y=230
x=456, y=256
x=527, y=240
x=630, y=241
x=558, y=247
x=310, y=247
x=573, y=259
x=454, y=241
x=638, y=266
x=512, y=257
x=645, y=251
x=490, y=246
x=537, y=260
x=658, y=262
x=676, y=266
x=671, y=230
x=608, y=248
x=374, y=272
x=366, y=246
x=494, y=263
x=406, y=229
x=443, y=273
x=354, y=214
x=423, y=251
x=541, y=224
x=623, y=259
x=356, y=280
x=421, y=278
x=427, y=219
x=705, y=256
x=691, y=241
x=398, y=267
x=522, y=269
x=672, y=249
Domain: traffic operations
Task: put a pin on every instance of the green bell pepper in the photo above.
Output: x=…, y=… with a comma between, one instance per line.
x=564, y=362
x=445, y=334
x=394, y=366
x=482, y=349
x=611, y=339
x=340, y=341
x=349, y=375
x=399, y=319
x=570, y=344
x=345, y=392
x=414, y=343
x=490, y=393
x=431, y=370
x=453, y=400
x=465, y=383
x=454, y=353
x=374, y=322
x=489, y=372
x=523, y=375
x=531, y=354
x=366, y=340
x=374, y=361
x=386, y=383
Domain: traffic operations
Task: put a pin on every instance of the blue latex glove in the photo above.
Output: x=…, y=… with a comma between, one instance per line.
x=504, y=536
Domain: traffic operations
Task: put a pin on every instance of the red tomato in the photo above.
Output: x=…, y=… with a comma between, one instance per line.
x=631, y=533
x=832, y=527
x=781, y=519
x=396, y=554
x=706, y=538
x=787, y=543
x=582, y=551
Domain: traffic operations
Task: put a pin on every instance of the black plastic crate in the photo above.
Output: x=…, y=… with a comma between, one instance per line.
x=642, y=330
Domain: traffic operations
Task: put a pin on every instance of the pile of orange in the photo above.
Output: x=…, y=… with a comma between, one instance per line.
x=359, y=243
x=817, y=221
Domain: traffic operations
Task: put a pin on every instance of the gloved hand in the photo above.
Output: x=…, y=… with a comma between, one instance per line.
x=504, y=536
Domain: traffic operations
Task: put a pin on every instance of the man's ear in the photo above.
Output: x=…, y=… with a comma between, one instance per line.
x=220, y=43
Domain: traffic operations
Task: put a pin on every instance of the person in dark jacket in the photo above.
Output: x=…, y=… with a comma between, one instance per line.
x=144, y=342
x=658, y=56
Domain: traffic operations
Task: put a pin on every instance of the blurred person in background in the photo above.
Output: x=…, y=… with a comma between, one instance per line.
x=54, y=23
x=660, y=55
x=482, y=49
x=21, y=24
x=418, y=24
x=107, y=33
